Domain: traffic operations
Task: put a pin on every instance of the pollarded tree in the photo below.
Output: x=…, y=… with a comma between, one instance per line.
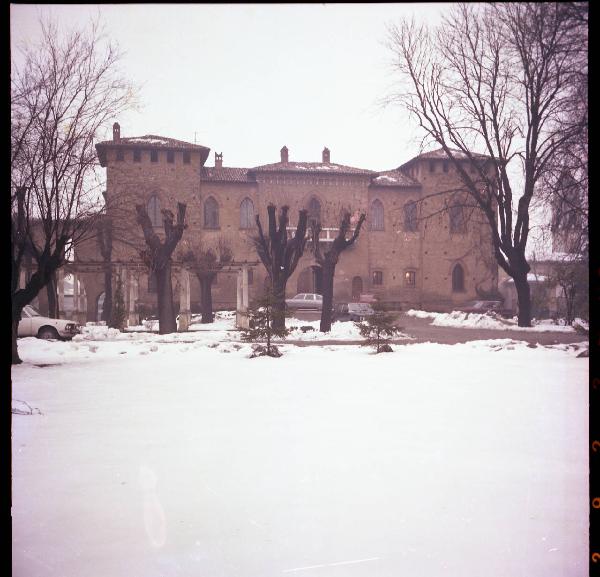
x=501, y=78
x=280, y=255
x=328, y=260
x=62, y=92
x=157, y=257
x=205, y=263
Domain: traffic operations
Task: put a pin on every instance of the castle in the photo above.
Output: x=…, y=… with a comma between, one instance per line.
x=421, y=246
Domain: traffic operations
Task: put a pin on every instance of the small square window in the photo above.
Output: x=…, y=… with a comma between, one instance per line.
x=410, y=278
x=170, y=156
x=137, y=155
x=154, y=156
x=120, y=155
x=186, y=157
x=377, y=277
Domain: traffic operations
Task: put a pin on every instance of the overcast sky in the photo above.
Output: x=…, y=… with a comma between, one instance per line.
x=247, y=79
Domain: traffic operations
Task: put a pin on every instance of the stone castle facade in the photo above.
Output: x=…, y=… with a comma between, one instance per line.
x=420, y=247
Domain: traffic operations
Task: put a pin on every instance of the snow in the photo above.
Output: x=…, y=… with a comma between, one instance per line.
x=155, y=456
x=385, y=177
x=531, y=277
x=483, y=321
x=148, y=140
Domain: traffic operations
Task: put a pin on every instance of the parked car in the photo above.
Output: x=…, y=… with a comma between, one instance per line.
x=305, y=301
x=481, y=307
x=33, y=324
x=351, y=311
x=367, y=298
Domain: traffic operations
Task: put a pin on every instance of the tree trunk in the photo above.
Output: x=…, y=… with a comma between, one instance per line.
x=206, y=298
x=167, y=322
x=328, y=274
x=53, y=311
x=279, y=303
x=107, y=306
x=15, y=352
x=524, y=299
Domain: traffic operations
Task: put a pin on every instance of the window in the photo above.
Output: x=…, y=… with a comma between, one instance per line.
x=410, y=278
x=458, y=279
x=247, y=214
x=431, y=166
x=314, y=210
x=376, y=219
x=186, y=157
x=151, y=282
x=137, y=155
x=211, y=213
x=457, y=220
x=153, y=209
x=410, y=216
x=445, y=166
x=377, y=277
x=170, y=156
x=154, y=156
x=120, y=155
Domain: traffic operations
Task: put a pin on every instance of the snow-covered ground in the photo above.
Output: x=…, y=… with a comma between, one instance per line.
x=483, y=321
x=157, y=458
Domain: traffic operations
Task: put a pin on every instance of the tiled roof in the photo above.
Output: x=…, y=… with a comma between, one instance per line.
x=152, y=141
x=394, y=178
x=312, y=167
x=224, y=174
x=440, y=154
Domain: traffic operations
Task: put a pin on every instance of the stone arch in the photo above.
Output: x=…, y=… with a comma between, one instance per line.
x=314, y=208
x=211, y=213
x=458, y=278
x=310, y=280
x=376, y=215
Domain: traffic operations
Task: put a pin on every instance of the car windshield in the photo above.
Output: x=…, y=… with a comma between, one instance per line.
x=31, y=311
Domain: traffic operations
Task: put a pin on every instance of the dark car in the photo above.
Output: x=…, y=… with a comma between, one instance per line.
x=351, y=311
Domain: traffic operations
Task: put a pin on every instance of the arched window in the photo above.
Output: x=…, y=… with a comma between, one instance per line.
x=247, y=214
x=153, y=209
x=458, y=279
x=457, y=218
x=410, y=216
x=211, y=213
x=376, y=219
x=314, y=210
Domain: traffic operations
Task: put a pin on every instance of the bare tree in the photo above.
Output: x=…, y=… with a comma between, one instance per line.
x=205, y=263
x=499, y=78
x=280, y=255
x=157, y=257
x=62, y=92
x=328, y=260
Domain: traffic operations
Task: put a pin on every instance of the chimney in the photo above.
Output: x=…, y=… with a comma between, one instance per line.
x=326, y=156
x=284, y=155
x=116, y=132
x=218, y=160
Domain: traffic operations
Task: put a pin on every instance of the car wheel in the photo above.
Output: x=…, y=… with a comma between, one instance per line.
x=48, y=333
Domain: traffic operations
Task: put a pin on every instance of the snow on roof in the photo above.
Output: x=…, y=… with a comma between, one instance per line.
x=310, y=167
x=531, y=277
x=394, y=178
x=440, y=154
x=224, y=174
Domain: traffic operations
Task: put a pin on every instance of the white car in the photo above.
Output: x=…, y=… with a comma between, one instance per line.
x=305, y=301
x=33, y=324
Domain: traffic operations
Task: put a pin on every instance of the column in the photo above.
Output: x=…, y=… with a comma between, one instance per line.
x=75, y=313
x=133, y=294
x=60, y=289
x=241, y=312
x=184, y=300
